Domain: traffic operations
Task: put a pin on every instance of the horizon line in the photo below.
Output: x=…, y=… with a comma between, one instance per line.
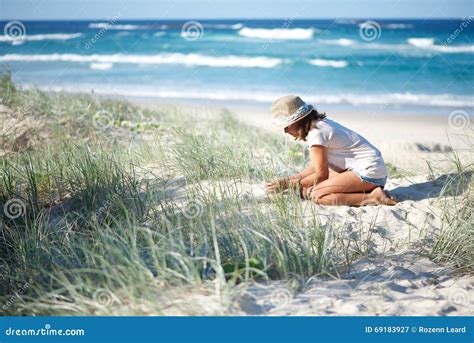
x=244, y=19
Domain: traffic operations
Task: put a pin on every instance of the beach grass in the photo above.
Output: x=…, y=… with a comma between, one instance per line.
x=95, y=220
x=455, y=243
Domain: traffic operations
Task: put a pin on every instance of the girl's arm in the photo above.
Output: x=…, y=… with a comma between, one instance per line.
x=318, y=167
x=319, y=161
x=302, y=174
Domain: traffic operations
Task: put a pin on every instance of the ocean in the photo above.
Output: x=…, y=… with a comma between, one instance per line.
x=400, y=65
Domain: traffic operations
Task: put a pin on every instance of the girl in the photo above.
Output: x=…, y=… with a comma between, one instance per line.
x=345, y=168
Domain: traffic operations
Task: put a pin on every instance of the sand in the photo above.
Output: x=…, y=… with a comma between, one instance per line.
x=405, y=140
x=395, y=277
x=413, y=142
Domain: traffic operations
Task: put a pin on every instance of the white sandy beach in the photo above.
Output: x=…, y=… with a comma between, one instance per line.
x=396, y=277
x=406, y=140
x=393, y=275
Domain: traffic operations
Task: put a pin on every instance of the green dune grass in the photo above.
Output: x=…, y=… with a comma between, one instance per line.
x=91, y=228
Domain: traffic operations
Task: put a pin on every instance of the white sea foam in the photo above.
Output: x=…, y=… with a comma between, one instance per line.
x=429, y=44
x=385, y=99
x=436, y=100
x=40, y=37
x=101, y=66
x=172, y=58
x=282, y=34
x=340, y=41
x=421, y=42
x=318, y=62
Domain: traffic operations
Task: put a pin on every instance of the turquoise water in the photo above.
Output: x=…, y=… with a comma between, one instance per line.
x=426, y=65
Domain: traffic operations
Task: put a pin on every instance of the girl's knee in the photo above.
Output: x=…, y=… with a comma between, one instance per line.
x=315, y=195
x=325, y=199
x=306, y=183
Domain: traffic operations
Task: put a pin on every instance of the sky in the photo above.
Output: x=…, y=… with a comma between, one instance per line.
x=228, y=9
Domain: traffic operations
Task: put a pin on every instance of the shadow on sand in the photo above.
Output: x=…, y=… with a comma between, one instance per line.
x=445, y=185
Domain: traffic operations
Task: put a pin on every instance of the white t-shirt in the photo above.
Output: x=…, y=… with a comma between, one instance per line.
x=347, y=149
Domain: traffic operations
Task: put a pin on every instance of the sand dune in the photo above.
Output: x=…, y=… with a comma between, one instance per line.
x=394, y=278
x=393, y=274
x=397, y=284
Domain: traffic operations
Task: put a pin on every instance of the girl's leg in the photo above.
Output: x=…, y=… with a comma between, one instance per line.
x=309, y=180
x=346, y=182
x=375, y=197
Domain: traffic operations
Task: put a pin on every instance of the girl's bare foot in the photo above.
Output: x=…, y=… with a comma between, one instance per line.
x=382, y=198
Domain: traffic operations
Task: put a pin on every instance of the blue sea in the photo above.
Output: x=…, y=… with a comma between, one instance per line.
x=421, y=65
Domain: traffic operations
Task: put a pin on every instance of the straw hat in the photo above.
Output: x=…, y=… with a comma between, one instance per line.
x=288, y=110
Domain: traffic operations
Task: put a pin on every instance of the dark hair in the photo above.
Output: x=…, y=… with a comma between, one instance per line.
x=307, y=123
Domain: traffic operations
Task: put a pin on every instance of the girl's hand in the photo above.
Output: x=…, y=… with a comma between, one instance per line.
x=277, y=186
